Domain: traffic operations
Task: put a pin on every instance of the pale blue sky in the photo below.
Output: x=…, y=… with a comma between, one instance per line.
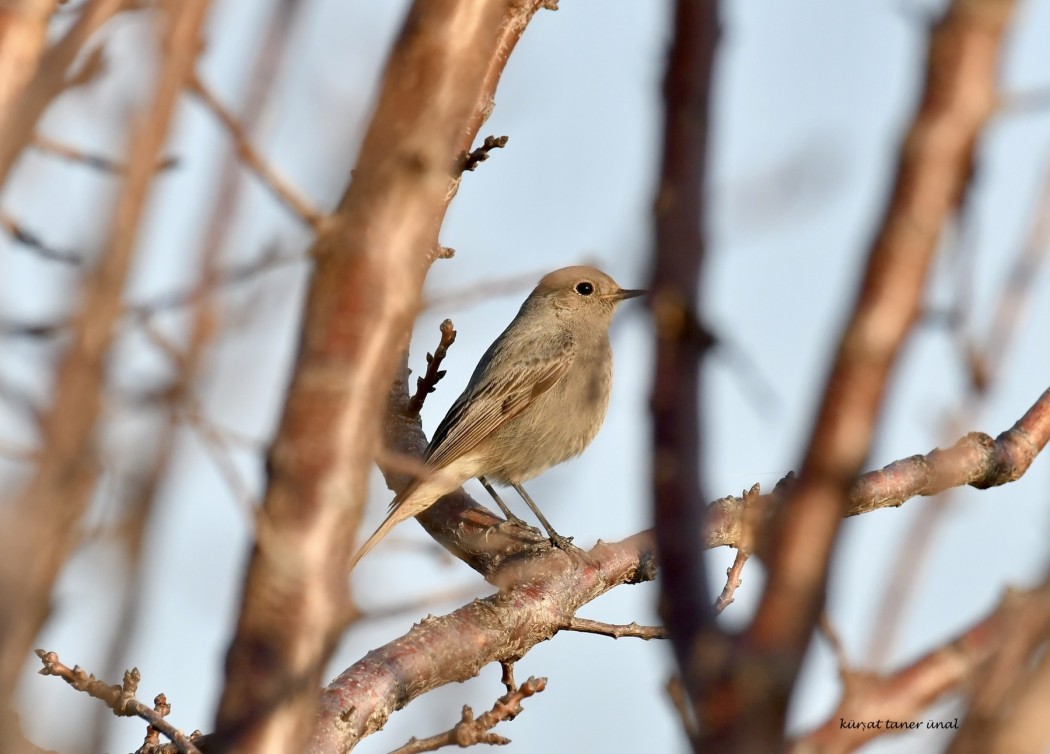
x=811, y=99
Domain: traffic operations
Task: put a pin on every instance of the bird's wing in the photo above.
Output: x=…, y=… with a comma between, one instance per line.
x=533, y=369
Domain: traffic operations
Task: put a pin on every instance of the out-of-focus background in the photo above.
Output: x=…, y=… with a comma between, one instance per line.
x=811, y=99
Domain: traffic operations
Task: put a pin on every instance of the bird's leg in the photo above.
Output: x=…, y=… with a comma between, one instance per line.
x=562, y=543
x=502, y=505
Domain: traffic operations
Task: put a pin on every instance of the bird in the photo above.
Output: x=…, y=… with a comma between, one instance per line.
x=537, y=397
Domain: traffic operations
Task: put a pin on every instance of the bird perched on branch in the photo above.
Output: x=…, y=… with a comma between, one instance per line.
x=537, y=398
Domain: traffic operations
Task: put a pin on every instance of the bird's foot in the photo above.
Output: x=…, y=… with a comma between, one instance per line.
x=514, y=525
x=564, y=544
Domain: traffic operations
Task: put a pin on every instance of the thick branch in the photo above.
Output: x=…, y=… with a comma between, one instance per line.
x=386, y=679
x=454, y=647
x=680, y=338
x=371, y=258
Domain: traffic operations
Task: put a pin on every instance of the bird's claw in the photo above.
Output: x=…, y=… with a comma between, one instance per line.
x=564, y=544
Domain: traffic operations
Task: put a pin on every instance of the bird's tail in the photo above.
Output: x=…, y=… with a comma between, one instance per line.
x=412, y=501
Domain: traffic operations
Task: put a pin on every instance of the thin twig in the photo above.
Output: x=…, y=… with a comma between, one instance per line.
x=479, y=155
x=469, y=731
x=834, y=641
x=238, y=273
x=616, y=631
x=676, y=692
x=254, y=161
x=415, y=606
x=121, y=699
x=725, y=599
x=95, y=161
x=507, y=676
x=32, y=241
x=428, y=382
x=215, y=445
x=164, y=302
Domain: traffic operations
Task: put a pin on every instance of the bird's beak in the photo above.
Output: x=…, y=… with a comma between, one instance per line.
x=622, y=294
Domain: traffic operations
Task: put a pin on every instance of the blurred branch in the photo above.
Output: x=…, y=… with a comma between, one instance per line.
x=18, y=122
x=271, y=260
x=934, y=166
x=985, y=359
x=23, y=34
x=255, y=162
x=39, y=529
x=121, y=699
x=95, y=161
x=470, y=731
x=954, y=667
x=370, y=261
x=681, y=339
x=33, y=242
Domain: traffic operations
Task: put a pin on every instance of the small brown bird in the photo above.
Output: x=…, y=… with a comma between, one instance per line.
x=537, y=398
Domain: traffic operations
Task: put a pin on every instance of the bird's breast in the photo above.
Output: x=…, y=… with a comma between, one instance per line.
x=558, y=425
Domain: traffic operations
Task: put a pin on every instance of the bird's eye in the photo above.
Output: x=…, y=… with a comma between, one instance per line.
x=584, y=288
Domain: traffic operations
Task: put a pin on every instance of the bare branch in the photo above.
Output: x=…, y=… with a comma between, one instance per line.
x=975, y=460
x=541, y=596
x=39, y=528
x=479, y=155
x=904, y=694
x=586, y=626
x=94, y=161
x=370, y=258
x=32, y=241
x=681, y=339
x=959, y=97
x=121, y=699
x=426, y=384
x=470, y=731
x=255, y=162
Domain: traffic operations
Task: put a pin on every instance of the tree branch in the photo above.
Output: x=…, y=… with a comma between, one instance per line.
x=470, y=731
x=121, y=699
x=18, y=121
x=541, y=598
x=426, y=384
x=681, y=340
x=904, y=694
x=39, y=528
x=586, y=626
x=935, y=164
x=254, y=161
x=371, y=258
